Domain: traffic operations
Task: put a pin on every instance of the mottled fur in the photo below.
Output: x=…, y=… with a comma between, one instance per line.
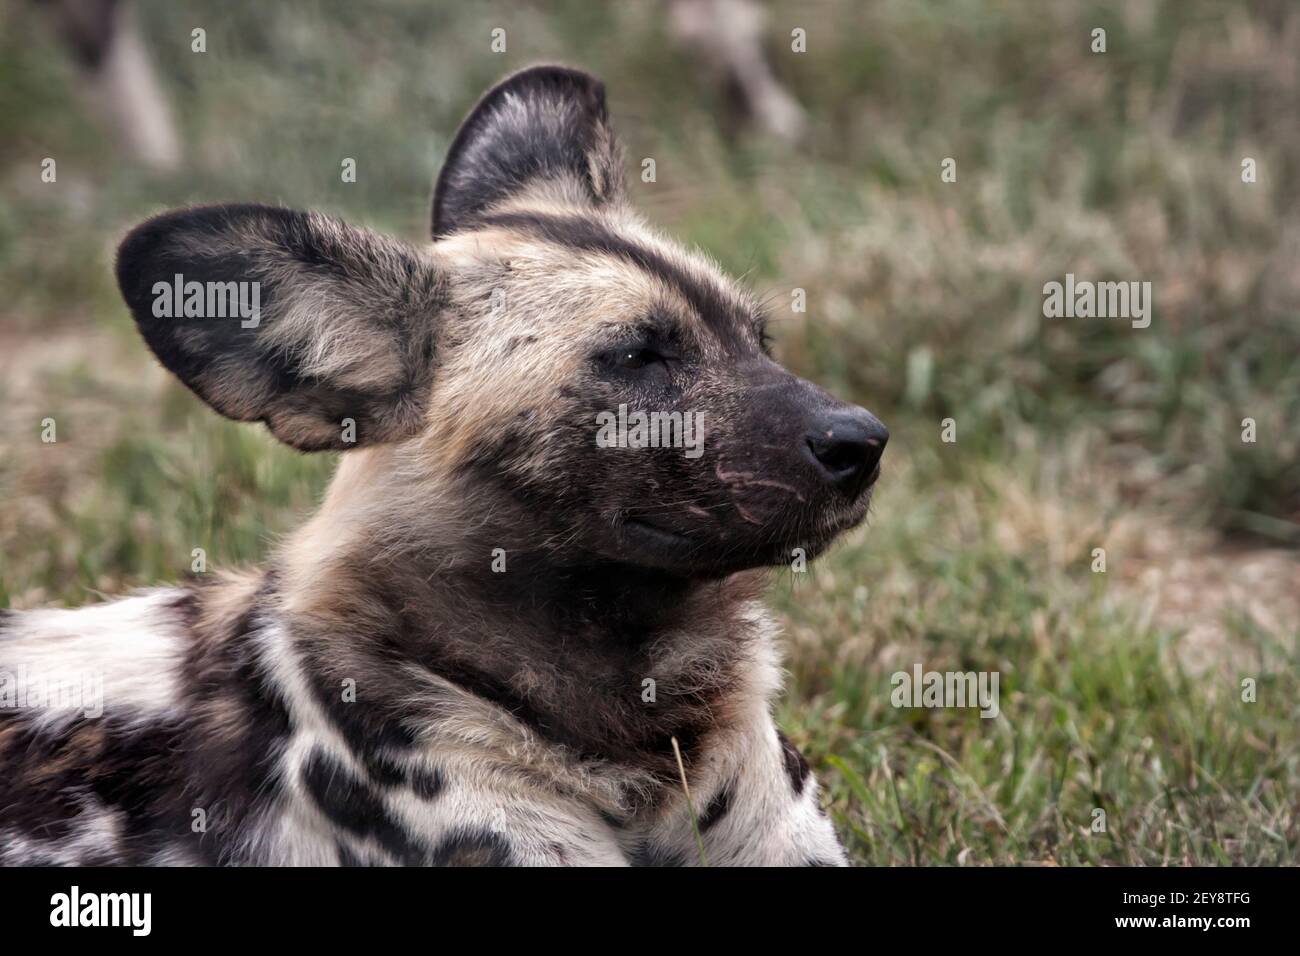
x=387, y=693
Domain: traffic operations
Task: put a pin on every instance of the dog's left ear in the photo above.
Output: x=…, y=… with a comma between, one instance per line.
x=544, y=123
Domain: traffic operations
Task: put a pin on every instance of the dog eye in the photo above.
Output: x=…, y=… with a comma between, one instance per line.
x=635, y=358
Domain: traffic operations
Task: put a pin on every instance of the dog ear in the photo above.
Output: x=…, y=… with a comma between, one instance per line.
x=322, y=331
x=544, y=123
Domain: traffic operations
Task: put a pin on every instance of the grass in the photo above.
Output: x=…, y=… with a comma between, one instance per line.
x=1097, y=710
x=924, y=303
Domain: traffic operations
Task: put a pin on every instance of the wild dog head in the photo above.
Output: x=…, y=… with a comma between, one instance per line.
x=544, y=317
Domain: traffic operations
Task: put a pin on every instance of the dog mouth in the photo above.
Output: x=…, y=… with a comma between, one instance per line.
x=643, y=531
x=664, y=546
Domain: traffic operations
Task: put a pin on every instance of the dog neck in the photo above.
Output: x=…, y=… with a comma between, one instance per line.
x=607, y=660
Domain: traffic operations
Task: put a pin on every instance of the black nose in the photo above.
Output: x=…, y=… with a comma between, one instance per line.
x=846, y=444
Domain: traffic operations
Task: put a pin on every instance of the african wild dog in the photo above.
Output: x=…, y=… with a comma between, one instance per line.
x=389, y=691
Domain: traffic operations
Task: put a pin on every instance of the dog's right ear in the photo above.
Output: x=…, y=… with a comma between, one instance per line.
x=543, y=123
x=323, y=331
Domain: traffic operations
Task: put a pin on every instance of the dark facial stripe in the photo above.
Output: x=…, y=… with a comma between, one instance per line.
x=796, y=767
x=349, y=802
x=575, y=232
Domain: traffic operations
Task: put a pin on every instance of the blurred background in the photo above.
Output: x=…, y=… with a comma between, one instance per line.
x=1122, y=690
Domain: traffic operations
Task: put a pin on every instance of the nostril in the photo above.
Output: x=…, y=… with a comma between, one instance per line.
x=847, y=446
x=839, y=455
